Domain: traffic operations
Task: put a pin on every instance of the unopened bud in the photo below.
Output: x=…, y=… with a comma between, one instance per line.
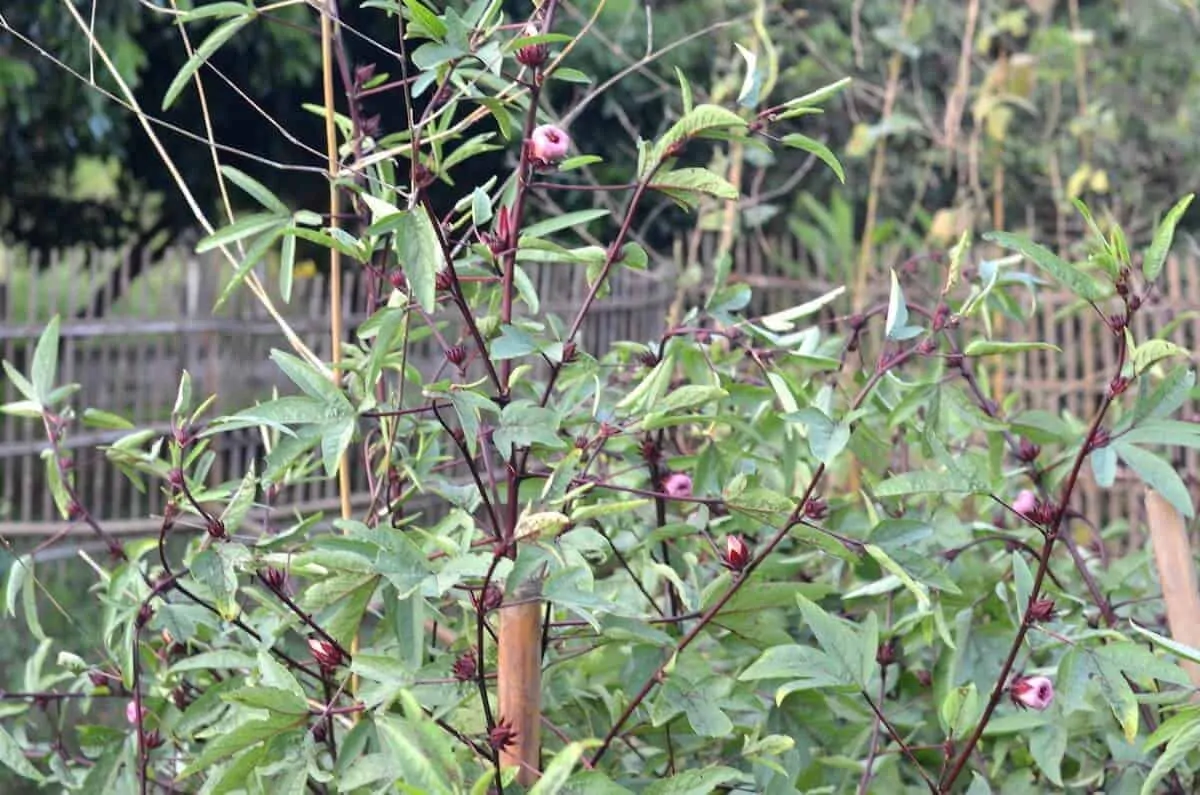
x=737, y=554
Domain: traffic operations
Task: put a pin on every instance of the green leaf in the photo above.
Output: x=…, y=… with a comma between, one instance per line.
x=242, y=737
x=1175, y=647
x=12, y=756
x=45, y=362
x=700, y=119
x=1151, y=352
x=1164, y=236
x=826, y=438
x=1167, y=397
x=1104, y=466
x=697, y=701
x=211, y=10
x=960, y=710
x=700, y=180
x=783, y=321
x=269, y=698
x=1173, y=756
x=1158, y=475
x=691, y=396
x=217, y=573
x=562, y=221
x=247, y=226
x=404, y=744
x=840, y=640
x=924, y=482
x=95, y=418
x=523, y=424
x=918, y=589
x=896, y=325
x=820, y=95
x=820, y=150
x=287, y=265
x=804, y=667
x=207, y=48
x=694, y=782
x=255, y=189
x=1048, y=745
x=997, y=347
x=1075, y=280
x=555, y=776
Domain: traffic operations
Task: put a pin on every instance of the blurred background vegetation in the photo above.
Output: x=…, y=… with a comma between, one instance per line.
x=963, y=114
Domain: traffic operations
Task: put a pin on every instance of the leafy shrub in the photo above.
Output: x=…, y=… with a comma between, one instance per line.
x=805, y=552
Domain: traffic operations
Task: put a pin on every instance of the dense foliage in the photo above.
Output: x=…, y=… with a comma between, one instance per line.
x=803, y=552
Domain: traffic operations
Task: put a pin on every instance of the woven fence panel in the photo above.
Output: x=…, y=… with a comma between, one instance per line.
x=126, y=352
x=782, y=276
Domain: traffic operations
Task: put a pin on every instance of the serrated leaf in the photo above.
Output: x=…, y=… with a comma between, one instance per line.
x=1151, y=352
x=700, y=119
x=1164, y=236
x=1075, y=280
x=700, y=180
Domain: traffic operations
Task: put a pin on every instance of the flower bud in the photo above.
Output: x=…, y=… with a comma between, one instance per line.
x=816, y=509
x=501, y=735
x=443, y=281
x=456, y=355
x=1032, y=692
x=327, y=655
x=677, y=485
x=737, y=554
x=153, y=740
x=1026, y=503
x=548, y=145
x=532, y=55
x=1041, y=610
x=466, y=667
x=216, y=529
x=132, y=714
x=274, y=578
x=1027, y=451
x=886, y=655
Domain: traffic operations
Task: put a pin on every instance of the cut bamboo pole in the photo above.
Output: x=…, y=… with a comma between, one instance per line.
x=1176, y=573
x=519, y=676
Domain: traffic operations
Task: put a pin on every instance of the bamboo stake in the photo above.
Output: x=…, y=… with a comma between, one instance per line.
x=328, y=15
x=1176, y=573
x=519, y=678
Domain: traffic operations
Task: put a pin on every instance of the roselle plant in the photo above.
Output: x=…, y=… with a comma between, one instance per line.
x=803, y=552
